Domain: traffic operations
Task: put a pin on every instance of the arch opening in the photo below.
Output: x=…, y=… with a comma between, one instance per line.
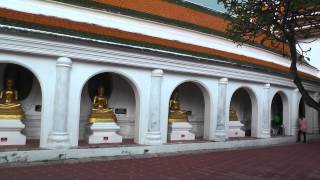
x=302, y=109
x=242, y=112
x=277, y=115
x=192, y=101
x=29, y=95
x=121, y=97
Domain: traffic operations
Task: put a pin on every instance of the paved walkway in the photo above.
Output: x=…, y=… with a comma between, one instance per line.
x=294, y=161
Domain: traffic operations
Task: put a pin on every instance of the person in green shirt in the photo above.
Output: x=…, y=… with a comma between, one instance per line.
x=276, y=124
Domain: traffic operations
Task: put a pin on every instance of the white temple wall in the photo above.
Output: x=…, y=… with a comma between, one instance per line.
x=310, y=116
x=85, y=109
x=33, y=117
x=136, y=68
x=315, y=124
x=123, y=97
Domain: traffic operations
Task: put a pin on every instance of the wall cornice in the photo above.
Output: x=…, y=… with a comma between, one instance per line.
x=114, y=56
x=145, y=27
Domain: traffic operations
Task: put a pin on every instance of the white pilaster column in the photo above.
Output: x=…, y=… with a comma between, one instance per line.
x=153, y=136
x=266, y=120
x=222, y=110
x=59, y=137
x=315, y=129
x=295, y=112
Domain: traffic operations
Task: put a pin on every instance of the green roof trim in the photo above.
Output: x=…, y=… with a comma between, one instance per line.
x=75, y=33
x=146, y=16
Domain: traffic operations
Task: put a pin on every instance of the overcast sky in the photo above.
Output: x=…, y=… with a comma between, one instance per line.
x=212, y=4
x=314, y=54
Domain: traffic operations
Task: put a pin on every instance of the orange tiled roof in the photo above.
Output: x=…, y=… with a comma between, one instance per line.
x=94, y=29
x=163, y=8
x=171, y=11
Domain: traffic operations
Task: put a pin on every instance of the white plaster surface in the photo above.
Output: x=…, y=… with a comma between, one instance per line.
x=10, y=132
x=104, y=133
x=222, y=113
x=235, y=129
x=180, y=131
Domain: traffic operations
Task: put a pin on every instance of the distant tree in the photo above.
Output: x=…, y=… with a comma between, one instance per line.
x=279, y=23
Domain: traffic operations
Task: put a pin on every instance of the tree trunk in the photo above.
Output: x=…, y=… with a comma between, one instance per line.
x=296, y=79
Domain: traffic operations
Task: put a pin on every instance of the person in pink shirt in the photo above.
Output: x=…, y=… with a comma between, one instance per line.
x=302, y=124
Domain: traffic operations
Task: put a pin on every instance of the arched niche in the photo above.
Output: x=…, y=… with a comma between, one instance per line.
x=195, y=100
x=244, y=103
x=122, y=98
x=279, y=114
x=302, y=108
x=29, y=95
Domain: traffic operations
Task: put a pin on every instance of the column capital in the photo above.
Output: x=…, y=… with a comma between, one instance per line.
x=157, y=72
x=64, y=61
x=223, y=81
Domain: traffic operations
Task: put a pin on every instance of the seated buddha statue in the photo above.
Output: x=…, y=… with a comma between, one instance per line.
x=175, y=114
x=233, y=115
x=10, y=108
x=100, y=111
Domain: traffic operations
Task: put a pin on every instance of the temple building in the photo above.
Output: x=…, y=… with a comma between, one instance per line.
x=144, y=73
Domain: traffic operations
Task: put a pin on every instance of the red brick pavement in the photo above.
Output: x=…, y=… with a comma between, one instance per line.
x=287, y=162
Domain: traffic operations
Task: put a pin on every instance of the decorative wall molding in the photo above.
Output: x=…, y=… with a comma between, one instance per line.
x=145, y=27
x=107, y=54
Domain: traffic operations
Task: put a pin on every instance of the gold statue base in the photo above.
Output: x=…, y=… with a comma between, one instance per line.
x=102, y=117
x=15, y=113
x=177, y=116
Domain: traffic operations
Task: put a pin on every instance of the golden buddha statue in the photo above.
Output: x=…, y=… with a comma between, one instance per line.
x=232, y=115
x=100, y=111
x=10, y=108
x=175, y=114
